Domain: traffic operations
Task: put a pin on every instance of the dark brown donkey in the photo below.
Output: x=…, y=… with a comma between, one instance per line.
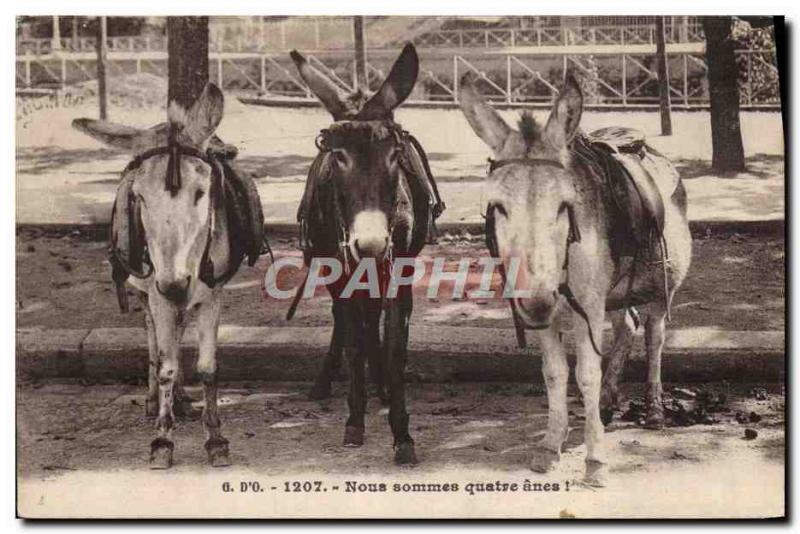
x=369, y=196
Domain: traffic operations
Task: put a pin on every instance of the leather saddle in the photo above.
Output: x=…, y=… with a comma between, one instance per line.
x=638, y=180
x=245, y=215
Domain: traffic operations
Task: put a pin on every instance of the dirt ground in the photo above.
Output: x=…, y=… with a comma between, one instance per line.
x=70, y=433
x=736, y=282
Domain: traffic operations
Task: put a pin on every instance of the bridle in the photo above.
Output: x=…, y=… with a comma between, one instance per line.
x=573, y=237
x=140, y=266
x=324, y=170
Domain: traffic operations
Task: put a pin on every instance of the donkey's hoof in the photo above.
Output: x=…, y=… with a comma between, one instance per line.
x=151, y=407
x=596, y=474
x=654, y=421
x=353, y=436
x=606, y=416
x=544, y=460
x=161, y=450
x=218, y=453
x=404, y=454
x=320, y=391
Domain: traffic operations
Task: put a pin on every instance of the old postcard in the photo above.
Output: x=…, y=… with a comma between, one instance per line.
x=400, y=267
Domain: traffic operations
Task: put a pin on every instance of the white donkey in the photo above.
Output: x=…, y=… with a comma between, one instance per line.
x=555, y=221
x=177, y=231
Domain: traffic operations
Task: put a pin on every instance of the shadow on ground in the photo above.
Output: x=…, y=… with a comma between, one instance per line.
x=42, y=159
x=759, y=166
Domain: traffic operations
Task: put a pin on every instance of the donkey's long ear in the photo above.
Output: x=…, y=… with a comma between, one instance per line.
x=202, y=119
x=119, y=136
x=395, y=88
x=483, y=118
x=323, y=88
x=566, y=115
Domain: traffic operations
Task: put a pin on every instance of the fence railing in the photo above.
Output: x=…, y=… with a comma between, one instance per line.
x=564, y=36
x=337, y=34
x=624, y=79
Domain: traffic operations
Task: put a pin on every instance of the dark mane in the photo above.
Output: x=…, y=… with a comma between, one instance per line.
x=529, y=129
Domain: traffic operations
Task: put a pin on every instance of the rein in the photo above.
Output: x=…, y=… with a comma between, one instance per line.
x=574, y=237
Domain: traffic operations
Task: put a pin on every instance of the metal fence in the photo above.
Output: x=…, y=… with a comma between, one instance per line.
x=332, y=33
x=623, y=79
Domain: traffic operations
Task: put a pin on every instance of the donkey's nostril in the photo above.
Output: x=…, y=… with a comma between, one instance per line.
x=175, y=291
x=373, y=248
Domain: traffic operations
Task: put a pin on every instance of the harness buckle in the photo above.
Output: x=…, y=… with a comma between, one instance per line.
x=321, y=143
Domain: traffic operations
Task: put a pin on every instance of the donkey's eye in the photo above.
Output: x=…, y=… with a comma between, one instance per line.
x=339, y=157
x=198, y=195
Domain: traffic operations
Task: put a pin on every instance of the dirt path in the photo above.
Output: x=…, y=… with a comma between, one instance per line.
x=99, y=435
x=735, y=283
x=67, y=177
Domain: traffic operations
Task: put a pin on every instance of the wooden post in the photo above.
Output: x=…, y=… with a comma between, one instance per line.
x=508, y=79
x=361, y=53
x=76, y=41
x=624, y=80
x=100, y=45
x=456, y=81
x=55, y=44
x=663, y=78
x=187, y=58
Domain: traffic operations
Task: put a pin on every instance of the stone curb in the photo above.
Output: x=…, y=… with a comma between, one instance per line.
x=436, y=354
x=699, y=228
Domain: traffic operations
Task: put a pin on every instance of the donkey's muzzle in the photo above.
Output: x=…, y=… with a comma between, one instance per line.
x=537, y=310
x=371, y=248
x=369, y=236
x=175, y=291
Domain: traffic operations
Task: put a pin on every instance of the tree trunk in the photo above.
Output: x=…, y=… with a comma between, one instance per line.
x=187, y=51
x=723, y=88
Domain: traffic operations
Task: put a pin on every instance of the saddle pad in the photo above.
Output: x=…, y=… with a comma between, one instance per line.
x=424, y=199
x=245, y=214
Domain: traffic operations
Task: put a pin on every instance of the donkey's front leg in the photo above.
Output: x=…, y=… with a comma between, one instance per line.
x=354, y=334
x=397, y=318
x=654, y=332
x=207, y=328
x=624, y=329
x=556, y=373
x=333, y=359
x=588, y=374
x=168, y=321
x=151, y=402
x=375, y=358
